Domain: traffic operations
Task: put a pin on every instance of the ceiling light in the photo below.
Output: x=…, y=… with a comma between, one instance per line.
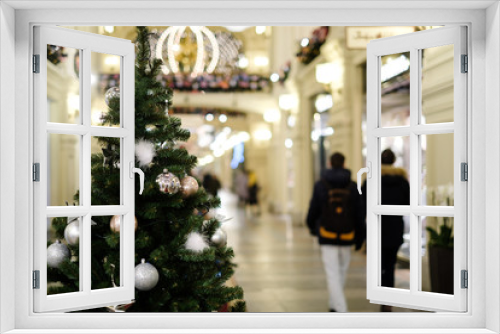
x=236, y=28
x=304, y=42
x=262, y=134
x=209, y=117
x=243, y=62
x=393, y=67
x=218, y=153
x=259, y=30
x=222, y=118
x=243, y=136
x=275, y=77
x=288, y=143
x=327, y=131
x=325, y=73
x=287, y=101
x=272, y=116
x=111, y=60
x=173, y=36
x=109, y=29
x=323, y=102
x=261, y=61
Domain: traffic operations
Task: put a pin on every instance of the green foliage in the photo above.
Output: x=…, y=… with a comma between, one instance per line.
x=443, y=238
x=189, y=282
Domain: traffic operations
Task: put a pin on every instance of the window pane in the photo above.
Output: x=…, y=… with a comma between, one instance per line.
x=395, y=252
x=437, y=169
x=437, y=256
x=395, y=90
x=63, y=84
x=63, y=271
x=105, y=90
x=395, y=170
x=437, y=85
x=63, y=169
x=106, y=182
x=106, y=251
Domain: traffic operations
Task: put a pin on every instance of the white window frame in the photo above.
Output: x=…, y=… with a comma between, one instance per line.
x=86, y=43
x=484, y=103
x=414, y=43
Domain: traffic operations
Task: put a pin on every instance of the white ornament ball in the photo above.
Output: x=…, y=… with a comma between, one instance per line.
x=72, y=232
x=115, y=223
x=113, y=92
x=145, y=152
x=196, y=242
x=57, y=253
x=219, y=238
x=189, y=186
x=146, y=276
x=168, y=182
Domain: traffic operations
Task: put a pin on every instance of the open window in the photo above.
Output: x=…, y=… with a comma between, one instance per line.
x=448, y=137
x=63, y=191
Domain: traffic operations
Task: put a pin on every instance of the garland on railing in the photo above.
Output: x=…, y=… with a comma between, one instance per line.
x=205, y=110
x=311, y=49
x=55, y=54
x=207, y=82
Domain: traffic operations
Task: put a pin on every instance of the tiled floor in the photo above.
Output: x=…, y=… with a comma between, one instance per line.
x=280, y=268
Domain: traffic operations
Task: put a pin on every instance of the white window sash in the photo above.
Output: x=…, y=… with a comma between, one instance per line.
x=414, y=298
x=86, y=297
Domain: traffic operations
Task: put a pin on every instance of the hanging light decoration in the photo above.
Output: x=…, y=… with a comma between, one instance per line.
x=173, y=36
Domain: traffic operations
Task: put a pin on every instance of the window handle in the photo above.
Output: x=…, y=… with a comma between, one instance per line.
x=368, y=171
x=141, y=176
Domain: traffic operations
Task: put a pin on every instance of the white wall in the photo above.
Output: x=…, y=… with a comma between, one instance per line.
x=492, y=159
x=7, y=167
x=300, y=321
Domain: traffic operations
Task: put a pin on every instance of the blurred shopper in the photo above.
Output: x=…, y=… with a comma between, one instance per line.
x=336, y=217
x=253, y=190
x=211, y=183
x=241, y=186
x=395, y=191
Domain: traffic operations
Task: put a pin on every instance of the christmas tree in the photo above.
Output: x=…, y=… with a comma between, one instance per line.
x=177, y=233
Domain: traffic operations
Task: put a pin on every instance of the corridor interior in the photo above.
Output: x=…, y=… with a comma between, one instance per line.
x=280, y=267
x=281, y=100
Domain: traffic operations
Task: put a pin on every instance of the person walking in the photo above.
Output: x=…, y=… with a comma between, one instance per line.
x=241, y=186
x=253, y=198
x=336, y=216
x=395, y=190
x=211, y=184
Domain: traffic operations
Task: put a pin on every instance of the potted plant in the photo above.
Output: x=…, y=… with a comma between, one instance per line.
x=440, y=247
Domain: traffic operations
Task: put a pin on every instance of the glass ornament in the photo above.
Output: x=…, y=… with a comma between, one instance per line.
x=113, y=92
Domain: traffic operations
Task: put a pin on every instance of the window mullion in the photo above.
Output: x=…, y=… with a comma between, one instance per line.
x=85, y=194
x=414, y=167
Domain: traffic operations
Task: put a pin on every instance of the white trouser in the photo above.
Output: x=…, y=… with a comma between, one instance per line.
x=336, y=262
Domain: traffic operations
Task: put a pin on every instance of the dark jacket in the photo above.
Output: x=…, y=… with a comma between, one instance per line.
x=336, y=178
x=395, y=191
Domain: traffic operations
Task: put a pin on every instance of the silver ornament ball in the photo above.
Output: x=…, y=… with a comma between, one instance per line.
x=219, y=238
x=57, y=253
x=189, y=186
x=115, y=223
x=146, y=276
x=113, y=92
x=209, y=215
x=72, y=232
x=168, y=183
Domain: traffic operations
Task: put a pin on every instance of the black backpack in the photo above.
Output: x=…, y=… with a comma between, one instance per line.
x=337, y=218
